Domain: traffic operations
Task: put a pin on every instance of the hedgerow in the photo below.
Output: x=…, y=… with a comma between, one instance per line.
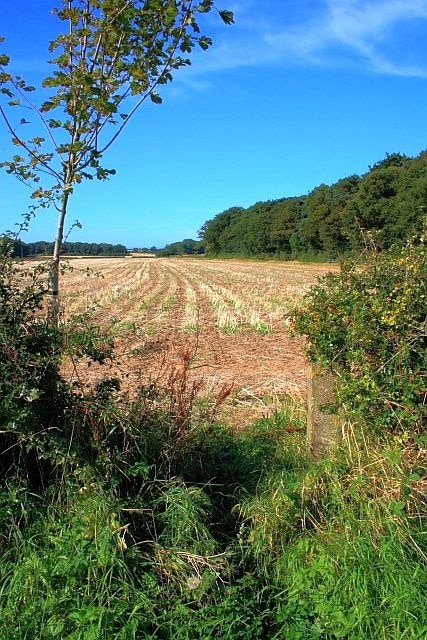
x=368, y=324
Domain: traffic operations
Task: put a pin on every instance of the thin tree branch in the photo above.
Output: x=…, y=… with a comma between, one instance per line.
x=22, y=143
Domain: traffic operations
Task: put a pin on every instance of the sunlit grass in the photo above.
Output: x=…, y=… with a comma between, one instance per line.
x=219, y=528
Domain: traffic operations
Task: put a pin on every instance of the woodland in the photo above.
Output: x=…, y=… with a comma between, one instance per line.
x=381, y=208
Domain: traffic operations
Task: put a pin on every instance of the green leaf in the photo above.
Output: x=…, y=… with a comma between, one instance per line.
x=47, y=106
x=205, y=6
x=397, y=506
x=227, y=16
x=414, y=477
x=171, y=14
x=155, y=98
x=54, y=124
x=186, y=45
x=205, y=42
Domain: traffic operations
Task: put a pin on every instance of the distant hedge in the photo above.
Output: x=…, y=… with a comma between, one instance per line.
x=43, y=248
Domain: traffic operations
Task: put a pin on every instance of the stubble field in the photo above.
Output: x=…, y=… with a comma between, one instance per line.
x=224, y=321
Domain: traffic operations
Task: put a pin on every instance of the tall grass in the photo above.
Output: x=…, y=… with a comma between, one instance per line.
x=241, y=538
x=159, y=524
x=345, y=544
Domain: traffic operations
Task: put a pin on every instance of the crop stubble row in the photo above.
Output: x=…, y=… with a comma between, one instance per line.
x=229, y=315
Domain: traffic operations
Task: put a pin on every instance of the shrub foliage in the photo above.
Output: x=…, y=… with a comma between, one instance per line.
x=368, y=324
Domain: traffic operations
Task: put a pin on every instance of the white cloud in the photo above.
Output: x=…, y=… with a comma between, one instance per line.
x=356, y=28
x=332, y=33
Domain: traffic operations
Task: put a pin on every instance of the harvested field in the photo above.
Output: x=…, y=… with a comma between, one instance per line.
x=225, y=319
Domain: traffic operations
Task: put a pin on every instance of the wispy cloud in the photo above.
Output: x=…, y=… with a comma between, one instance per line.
x=362, y=31
x=371, y=34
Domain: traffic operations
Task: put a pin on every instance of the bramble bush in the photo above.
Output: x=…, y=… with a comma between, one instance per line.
x=29, y=353
x=42, y=419
x=368, y=325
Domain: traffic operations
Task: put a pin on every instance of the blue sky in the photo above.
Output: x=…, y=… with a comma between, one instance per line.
x=293, y=95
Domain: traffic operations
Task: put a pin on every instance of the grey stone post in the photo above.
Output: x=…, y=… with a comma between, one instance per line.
x=323, y=427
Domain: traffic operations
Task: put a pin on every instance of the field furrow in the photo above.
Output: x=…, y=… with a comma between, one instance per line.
x=228, y=317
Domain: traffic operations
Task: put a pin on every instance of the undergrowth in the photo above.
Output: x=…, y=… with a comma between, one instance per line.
x=140, y=517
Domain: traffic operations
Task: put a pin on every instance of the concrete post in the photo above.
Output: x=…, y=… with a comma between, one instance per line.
x=323, y=428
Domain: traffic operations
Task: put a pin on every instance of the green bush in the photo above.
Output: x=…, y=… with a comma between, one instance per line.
x=43, y=423
x=368, y=324
x=29, y=355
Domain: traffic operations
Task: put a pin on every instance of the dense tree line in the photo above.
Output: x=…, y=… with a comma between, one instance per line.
x=184, y=247
x=383, y=207
x=43, y=248
x=152, y=249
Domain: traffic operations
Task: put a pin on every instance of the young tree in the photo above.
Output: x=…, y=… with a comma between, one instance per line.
x=112, y=56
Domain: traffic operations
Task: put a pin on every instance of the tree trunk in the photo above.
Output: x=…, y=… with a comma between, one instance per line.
x=53, y=300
